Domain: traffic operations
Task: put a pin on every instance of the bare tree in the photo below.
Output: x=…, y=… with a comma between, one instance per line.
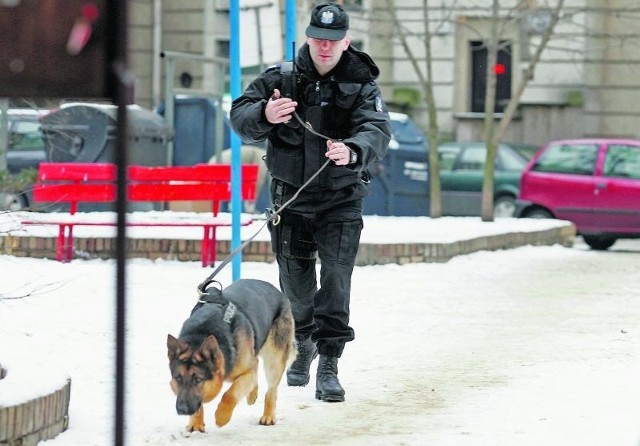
x=492, y=135
x=425, y=77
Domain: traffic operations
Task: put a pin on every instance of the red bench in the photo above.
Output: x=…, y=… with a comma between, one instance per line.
x=75, y=183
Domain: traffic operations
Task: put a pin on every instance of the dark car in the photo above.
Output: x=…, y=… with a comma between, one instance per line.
x=462, y=174
x=26, y=146
x=26, y=149
x=594, y=183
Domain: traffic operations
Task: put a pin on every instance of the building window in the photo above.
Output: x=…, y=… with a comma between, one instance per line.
x=479, y=55
x=222, y=48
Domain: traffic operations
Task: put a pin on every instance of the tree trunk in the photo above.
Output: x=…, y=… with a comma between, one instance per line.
x=489, y=123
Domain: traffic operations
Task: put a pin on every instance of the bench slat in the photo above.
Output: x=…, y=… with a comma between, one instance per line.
x=76, y=172
x=69, y=192
x=178, y=192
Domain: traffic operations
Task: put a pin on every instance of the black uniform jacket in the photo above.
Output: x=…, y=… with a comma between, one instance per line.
x=345, y=104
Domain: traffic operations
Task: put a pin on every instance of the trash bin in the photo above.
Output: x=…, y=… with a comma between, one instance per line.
x=400, y=185
x=86, y=132
x=195, y=129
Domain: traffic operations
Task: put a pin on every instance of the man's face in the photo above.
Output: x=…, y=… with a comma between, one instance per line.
x=326, y=54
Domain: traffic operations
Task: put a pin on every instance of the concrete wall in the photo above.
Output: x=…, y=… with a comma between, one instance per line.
x=590, y=60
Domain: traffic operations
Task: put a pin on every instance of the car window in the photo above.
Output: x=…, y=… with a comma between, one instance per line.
x=510, y=160
x=577, y=159
x=26, y=135
x=472, y=158
x=622, y=161
x=447, y=156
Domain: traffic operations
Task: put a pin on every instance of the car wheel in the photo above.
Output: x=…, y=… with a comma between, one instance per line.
x=538, y=213
x=504, y=207
x=599, y=243
x=12, y=201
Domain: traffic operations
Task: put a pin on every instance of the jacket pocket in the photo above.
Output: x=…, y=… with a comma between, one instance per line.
x=346, y=95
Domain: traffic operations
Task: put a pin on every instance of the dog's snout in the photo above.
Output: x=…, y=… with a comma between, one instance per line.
x=186, y=407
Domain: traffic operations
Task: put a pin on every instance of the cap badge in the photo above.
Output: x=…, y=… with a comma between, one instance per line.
x=327, y=17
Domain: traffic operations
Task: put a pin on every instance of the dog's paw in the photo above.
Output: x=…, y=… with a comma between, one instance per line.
x=195, y=427
x=222, y=416
x=268, y=420
x=252, y=397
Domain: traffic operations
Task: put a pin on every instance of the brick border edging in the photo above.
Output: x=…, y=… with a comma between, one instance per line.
x=41, y=418
x=442, y=252
x=260, y=251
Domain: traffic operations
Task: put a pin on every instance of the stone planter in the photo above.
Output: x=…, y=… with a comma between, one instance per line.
x=41, y=418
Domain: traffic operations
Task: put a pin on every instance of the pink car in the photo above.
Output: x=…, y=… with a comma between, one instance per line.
x=594, y=183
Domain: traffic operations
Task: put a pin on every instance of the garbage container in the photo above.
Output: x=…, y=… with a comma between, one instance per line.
x=400, y=185
x=86, y=132
x=195, y=129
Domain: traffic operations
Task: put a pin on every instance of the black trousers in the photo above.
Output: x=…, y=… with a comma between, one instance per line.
x=332, y=235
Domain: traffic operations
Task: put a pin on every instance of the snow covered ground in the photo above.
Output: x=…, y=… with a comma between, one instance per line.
x=530, y=346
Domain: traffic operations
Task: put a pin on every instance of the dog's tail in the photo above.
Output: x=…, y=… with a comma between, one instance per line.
x=283, y=332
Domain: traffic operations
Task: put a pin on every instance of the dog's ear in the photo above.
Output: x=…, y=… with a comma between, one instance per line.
x=175, y=347
x=210, y=351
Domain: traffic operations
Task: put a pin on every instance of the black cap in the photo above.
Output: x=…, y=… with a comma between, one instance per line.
x=329, y=21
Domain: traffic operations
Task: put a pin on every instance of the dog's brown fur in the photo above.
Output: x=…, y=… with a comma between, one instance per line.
x=199, y=369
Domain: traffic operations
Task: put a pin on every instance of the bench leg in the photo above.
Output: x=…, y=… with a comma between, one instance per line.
x=209, y=247
x=64, y=250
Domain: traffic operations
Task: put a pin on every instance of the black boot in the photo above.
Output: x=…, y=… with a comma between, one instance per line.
x=328, y=387
x=298, y=373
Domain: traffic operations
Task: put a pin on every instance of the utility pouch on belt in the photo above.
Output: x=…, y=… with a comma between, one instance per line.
x=291, y=240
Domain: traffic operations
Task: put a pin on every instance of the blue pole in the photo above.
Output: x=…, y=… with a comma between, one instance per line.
x=235, y=74
x=290, y=28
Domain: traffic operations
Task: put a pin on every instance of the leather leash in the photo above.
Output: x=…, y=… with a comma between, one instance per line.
x=271, y=216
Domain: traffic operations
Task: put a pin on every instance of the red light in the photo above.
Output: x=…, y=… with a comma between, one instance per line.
x=499, y=68
x=90, y=12
x=82, y=29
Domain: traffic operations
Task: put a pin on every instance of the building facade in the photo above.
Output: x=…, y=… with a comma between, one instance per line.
x=586, y=82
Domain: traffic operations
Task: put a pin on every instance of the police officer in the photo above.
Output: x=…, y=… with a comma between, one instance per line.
x=331, y=87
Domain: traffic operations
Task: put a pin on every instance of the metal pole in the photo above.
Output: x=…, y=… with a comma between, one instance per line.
x=4, y=132
x=290, y=28
x=235, y=73
x=169, y=104
x=122, y=80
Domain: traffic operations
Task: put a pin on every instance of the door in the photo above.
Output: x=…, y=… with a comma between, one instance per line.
x=617, y=190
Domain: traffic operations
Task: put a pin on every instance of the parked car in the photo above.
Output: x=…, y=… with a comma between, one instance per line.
x=400, y=184
x=25, y=150
x=26, y=146
x=594, y=183
x=462, y=174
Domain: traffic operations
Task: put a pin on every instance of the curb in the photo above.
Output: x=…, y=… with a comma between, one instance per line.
x=260, y=251
x=443, y=252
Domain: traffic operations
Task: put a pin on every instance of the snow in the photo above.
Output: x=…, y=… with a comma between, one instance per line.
x=377, y=229
x=445, y=354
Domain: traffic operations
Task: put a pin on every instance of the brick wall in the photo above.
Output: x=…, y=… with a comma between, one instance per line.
x=260, y=251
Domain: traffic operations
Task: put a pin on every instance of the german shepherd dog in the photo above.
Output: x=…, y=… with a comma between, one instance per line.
x=221, y=341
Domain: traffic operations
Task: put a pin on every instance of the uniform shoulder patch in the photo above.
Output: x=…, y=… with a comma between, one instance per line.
x=378, y=102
